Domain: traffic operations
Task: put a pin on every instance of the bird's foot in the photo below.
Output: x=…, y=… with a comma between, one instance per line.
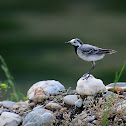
x=86, y=75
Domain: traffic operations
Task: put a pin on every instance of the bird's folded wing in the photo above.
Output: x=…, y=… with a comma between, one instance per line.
x=90, y=49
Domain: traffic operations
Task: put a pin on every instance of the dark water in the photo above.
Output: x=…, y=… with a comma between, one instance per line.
x=33, y=36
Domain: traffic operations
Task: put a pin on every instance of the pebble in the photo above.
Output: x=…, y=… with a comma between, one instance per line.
x=121, y=107
x=124, y=118
x=40, y=98
x=63, y=109
x=89, y=118
x=15, y=107
x=8, y=104
x=94, y=122
x=70, y=91
x=87, y=102
x=107, y=94
x=82, y=115
x=32, y=104
x=10, y=119
x=1, y=111
x=90, y=86
x=70, y=99
x=89, y=124
x=124, y=94
x=78, y=103
x=53, y=106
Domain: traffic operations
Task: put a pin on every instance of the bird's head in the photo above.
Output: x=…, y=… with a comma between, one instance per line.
x=75, y=42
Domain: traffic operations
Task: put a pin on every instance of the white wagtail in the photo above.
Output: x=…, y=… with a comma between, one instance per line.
x=89, y=52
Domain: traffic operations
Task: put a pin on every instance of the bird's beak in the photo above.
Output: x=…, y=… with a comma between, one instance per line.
x=67, y=42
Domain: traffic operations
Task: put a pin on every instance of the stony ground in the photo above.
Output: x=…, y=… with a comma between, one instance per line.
x=66, y=108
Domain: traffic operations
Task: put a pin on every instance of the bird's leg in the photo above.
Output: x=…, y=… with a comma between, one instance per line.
x=92, y=68
x=89, y=72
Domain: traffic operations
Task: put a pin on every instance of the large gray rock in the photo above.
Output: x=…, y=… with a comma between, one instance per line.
x=10, y=119
x=39, y=117
x=44, y=88
x=8, y=104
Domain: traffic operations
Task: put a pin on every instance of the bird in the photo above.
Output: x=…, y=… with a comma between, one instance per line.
x=89, y=52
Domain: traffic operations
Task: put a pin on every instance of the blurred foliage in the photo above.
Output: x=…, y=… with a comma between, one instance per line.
x=9, y=84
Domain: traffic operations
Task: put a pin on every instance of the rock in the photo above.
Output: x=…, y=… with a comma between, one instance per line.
x=78, y=119
x=79, y=103
x=87, y=102
x=89, y=124
x=108, y=93
x=118, y=84
x=44, y=88
x=121, y=107
x=82, y=115
x=15, y=107
x=70, y=99
x=32, y=104
x=53, y=106
x=6, y=110
x=116, y=90
x=95, y=122
x=8, y=104
x=21, y=106
x=38, y=107
x=70, y=91
x=124, y=94
x=89, y=119
x=12, y=123
x=63, y=109
x=10, y=119
x=124, y=118
x=1, y=111
x=38, y=117
x=40, y=98
x=89, y=86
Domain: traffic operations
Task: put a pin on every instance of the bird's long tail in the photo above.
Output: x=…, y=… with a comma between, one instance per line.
x=107, y=51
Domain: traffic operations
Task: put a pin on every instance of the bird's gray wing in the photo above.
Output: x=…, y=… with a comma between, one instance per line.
x=89, y=49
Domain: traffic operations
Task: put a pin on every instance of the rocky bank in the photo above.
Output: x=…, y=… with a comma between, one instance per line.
x=51, y=104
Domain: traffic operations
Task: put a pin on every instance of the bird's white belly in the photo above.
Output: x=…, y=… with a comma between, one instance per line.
x=89, y=57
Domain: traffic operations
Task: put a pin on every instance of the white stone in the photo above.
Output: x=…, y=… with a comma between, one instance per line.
x=70, y=99
x=8, y=117
x=89, y=86
x=44, y=88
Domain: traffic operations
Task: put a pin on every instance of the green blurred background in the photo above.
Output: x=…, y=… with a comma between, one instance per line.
x=33, y=35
